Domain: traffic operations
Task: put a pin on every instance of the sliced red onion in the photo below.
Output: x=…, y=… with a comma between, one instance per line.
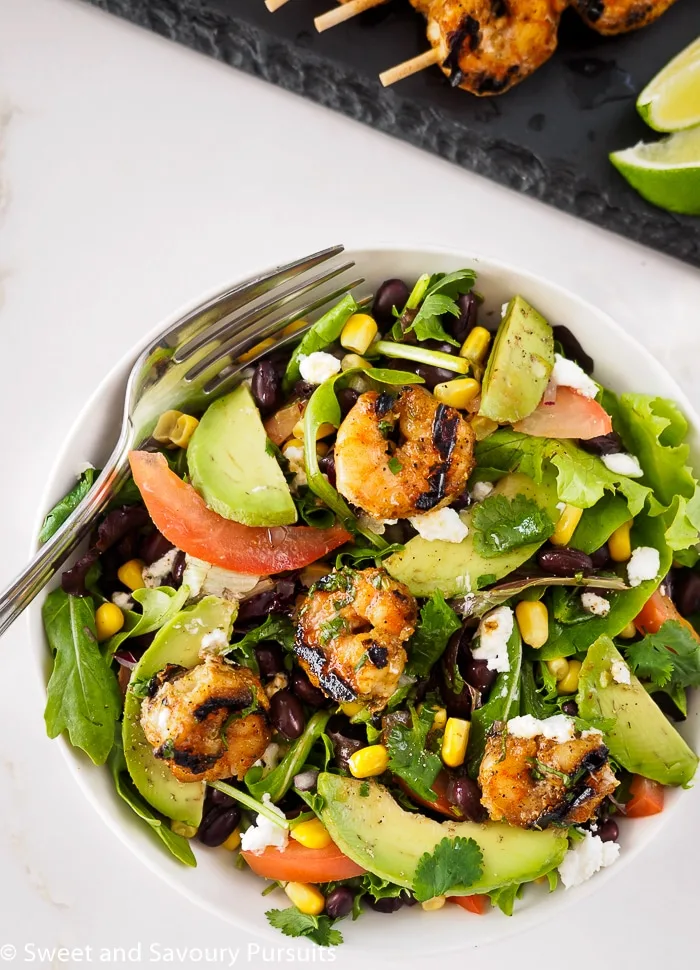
x=550, y=393
x=126, y=658
x=306, y=780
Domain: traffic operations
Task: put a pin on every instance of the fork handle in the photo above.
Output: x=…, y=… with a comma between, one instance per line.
x=49, y=559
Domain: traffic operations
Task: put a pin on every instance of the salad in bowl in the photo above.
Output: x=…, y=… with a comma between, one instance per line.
x=406, y=619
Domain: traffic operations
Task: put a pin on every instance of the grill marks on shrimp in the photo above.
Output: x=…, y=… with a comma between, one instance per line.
x=445, y=425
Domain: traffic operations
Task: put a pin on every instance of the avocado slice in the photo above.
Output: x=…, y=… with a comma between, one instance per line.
x=642, y=740
x=178, y=642
x=376, y=833
x=231, y=468
x=519, y=365
x=456, y=568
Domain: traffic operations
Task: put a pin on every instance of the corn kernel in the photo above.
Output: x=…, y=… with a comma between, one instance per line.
x=358, y=333
x=440, y=719
x=233, y=841
x=351, y=708
x=351, y=361
x=569, y=684
x=566, y=526
x=109, y=620
x=166, y=425
x=183, y=829
x=322, y=449
x=482, y=427
x=431, y=905
x=454, y=742
x=293, y=327
x=619, y=543
x=369, y=761
x=131, y=574
x=628, y=632
x=476, y=346
x=307, y=898
x=558, y=668
x=458, y=393
x=183, y=430
x=312, y=834
x=533, y=621
x=257, y=349
x=323, y=430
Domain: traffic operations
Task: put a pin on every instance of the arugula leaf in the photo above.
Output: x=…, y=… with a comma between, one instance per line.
x=326, y=330
x=454, y=862
x=294, y=923
x=277, y=782
x=67, y=505
x=503, y=524
x=159, y=605
x=538, y=701
x=503, y=703
x=83, y=695
x=277, y=627
x=311, y=510
x=505, y=897
x=178, y=845
x=532, y=587
x=408, y=757
x=438, y=621
x=669, y=658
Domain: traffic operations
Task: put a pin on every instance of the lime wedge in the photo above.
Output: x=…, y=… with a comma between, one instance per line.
x=665, y=172
x=672, y=100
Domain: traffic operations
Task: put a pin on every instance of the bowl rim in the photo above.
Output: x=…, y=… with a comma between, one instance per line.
x=77, y=764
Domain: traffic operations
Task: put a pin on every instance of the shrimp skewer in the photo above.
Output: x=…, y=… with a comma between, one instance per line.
x=346, y=11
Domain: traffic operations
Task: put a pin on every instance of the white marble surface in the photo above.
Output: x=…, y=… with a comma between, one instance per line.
x=136, y=174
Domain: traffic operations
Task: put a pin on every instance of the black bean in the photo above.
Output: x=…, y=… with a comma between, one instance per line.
x=392, y=293
x=219, y=798
x=153, y=547
x=460, y=326
x=126, y=547
x=346, y=399
x=218, y=824
x=339, y=903
x=465, y=795
x=440, y=345
x=601, y=557
x=687, y=593
x=608, y=831
x=478, y=674
x=603, y=444
x=305, y=690
x=178, y=569
x=389, y=904
x=327, y=466
x=564, y=561
x=280, y=599
x=304, y=389
x=287, y=714
x=463, y=501
x=570, y=708
x=433, y=375
x=457, y=702
x=266, y=387
x=270, y=658
x=346, y=739
x=573, y=349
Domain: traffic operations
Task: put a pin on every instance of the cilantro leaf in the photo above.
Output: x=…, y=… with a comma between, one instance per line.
x=408, y=757
x=426, y=324
x=669, y=658
x=293, y=923
x=504, y=524
x=438, y=621
x=454, y=862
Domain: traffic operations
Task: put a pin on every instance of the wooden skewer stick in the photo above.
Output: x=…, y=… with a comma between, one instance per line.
x=273, y=5
x=346, y=10
x=412, y=66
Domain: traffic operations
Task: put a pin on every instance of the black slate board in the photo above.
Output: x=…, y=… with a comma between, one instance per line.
x=548, y=137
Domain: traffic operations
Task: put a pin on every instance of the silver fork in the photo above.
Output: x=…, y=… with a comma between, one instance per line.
x=182, y=369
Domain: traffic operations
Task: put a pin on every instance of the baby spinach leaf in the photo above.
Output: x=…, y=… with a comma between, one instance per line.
x=83, y=695
x=503, y=703
x=324, y=332
x=503, y=524
x=278, y=781
x=67, y=505
x=453, y=862
x=408, y=757
x=599, y=522
x=159, y=605
x=438, y=621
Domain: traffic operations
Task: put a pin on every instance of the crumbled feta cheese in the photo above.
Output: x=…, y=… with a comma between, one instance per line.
x=643, y=565
x=623, y=464
x=442, y=524
x=620, y=672
x=264, y=832
x=593, y=603
x=481, y=491
x=560, y=507
x=203, y=579
x=318, y=367
x=295, y=456
x=559, y=727
x=567, y=373
x=591, y=733
x=123, y=601
x=159, y=571
x=585, y=858
x=278, y=682
x=494, y=633
x=214, y=642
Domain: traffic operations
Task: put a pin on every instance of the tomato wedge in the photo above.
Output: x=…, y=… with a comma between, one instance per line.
x=569, y=415
x=657, y=610
x=180, y=513
x=473, y=904
x=647, y=798
x=441, y=805
x=296, y=863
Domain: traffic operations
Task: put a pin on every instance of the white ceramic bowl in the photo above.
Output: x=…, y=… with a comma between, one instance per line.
x=623, y=365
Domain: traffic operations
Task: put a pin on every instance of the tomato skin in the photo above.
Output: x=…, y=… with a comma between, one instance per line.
x=569, y=415
x=296, y=863
x=441, y=805
x=657, y=610
x=647, y=798
x=181, y=514
x=473, y=904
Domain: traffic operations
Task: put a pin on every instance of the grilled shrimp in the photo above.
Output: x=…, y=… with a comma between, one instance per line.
x=487, y=46
x=425, y=469
x=193, y=720
x=619, y=16
x=534, y=782
x=350, y=634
